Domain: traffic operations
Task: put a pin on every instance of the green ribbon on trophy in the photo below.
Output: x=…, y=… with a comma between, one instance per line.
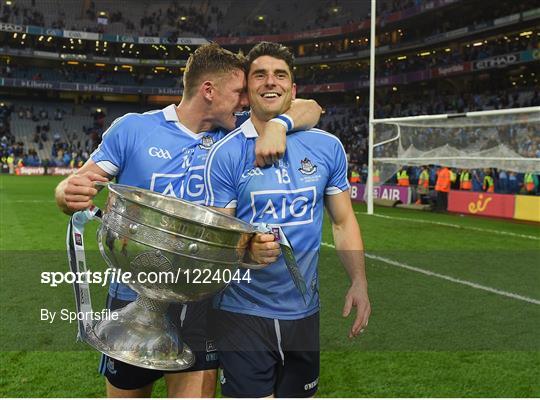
x=288, y=255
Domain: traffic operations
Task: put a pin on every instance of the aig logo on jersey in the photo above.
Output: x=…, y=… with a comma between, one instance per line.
x=188, y=186
x=159, y=153
x=206, y=142
x=283, y=207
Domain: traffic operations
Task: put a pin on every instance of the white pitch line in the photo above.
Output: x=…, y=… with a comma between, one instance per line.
x=447, y=224
x=446, y=277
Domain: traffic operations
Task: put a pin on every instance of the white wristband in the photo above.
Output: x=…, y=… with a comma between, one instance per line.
x=284, y=120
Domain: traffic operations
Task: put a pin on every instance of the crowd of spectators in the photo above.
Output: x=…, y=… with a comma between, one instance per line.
x=345, y=72
x=12, y=150
x=504, y=182
x=170, y=20
x=9, y=147
x=83, y=75
x=336, y=72
x=460, y=53
x=350, y=122
x=212, y=19
x=67, y=149
x=22, y=15
x=181, y=20
x=385, y=8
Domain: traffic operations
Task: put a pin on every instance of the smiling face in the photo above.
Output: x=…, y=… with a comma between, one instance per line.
x=270, y=87
x=230, y=97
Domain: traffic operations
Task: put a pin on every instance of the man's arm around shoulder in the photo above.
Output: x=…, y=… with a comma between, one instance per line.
x=271, y=144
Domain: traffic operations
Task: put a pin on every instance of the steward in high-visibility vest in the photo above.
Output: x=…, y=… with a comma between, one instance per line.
x=442, y=187
x=355, y=177
x=443, y=180
x=376, y=176
x=465, y=182
x=489, y=184
x=402, y=177
x=453, y=176
x=528, y=182
x=423, y=182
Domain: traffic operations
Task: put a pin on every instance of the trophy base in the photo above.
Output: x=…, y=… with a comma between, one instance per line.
x=143, y=336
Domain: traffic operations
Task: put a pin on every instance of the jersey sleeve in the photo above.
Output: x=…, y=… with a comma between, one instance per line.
x=110, y=155
x=337, y=182
x=220, y=177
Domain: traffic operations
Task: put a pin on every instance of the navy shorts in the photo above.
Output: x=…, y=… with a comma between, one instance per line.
x=192, y=323
x=263, y=356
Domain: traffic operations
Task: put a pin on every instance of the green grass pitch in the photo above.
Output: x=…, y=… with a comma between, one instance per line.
x=455, y=306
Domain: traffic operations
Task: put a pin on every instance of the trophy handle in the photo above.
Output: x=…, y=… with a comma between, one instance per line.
x=77, y=264
x=101, y=185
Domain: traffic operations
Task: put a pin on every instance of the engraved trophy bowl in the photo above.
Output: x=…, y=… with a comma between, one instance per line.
x=162, y=242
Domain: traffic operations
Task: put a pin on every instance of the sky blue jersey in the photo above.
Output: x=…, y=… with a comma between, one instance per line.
x=155, y=151
x=289, y=194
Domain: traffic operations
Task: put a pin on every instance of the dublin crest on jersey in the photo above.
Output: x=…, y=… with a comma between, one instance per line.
x=307, y=167
x=206, y=142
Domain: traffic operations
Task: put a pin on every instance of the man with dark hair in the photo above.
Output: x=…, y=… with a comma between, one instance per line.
x=268, y=328
x=165, y=151
x=275, y=50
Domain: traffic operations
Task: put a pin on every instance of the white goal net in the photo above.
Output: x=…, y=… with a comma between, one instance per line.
x=503, y=139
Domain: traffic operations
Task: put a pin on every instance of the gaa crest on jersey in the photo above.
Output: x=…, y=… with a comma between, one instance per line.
x=206, y=142
x=252, y=172
x=307, y=167
x=210, y=346
x=159, y=153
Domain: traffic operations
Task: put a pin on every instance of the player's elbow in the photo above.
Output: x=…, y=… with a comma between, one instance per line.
x=315, y=107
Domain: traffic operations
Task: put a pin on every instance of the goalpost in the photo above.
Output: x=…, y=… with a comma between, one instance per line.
x=369, y=186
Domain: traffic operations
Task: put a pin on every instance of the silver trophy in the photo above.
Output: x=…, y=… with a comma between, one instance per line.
x=144, y=231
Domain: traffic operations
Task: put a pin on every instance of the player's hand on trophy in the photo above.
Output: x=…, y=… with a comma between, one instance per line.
x=264, y=249
x=271, y=144
x=357, y=296
x=79, y=190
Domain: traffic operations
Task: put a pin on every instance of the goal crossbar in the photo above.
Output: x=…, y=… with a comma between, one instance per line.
x=505, y=111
